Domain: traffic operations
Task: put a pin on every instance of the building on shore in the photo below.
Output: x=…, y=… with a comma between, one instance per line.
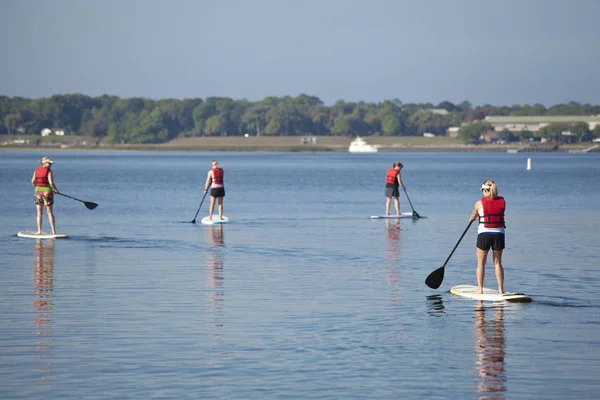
x=535, y=123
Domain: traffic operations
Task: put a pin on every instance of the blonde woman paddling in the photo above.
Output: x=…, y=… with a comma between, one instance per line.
x=43, y=182
x=490, y=232
x=214, y=182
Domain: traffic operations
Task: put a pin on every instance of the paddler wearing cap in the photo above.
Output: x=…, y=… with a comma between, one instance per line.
x=43, y=182
x=490, y=232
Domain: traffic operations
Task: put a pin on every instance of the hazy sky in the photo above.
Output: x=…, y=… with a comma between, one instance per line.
x=484, y=51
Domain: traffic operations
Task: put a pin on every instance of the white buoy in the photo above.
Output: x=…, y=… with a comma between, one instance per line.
x=529, y=164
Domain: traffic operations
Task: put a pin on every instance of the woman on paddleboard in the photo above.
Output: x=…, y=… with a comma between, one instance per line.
x=43, y=182
x=214, y=181
x=393, y=181
x=490, y=232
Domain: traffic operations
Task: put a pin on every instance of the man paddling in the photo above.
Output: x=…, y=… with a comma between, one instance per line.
x=393, y=181
x=43, y=182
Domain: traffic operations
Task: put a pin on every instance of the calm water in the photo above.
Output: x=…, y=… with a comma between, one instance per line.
x=301, y=295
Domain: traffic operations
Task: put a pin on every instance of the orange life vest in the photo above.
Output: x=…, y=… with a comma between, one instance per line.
x=392, y=176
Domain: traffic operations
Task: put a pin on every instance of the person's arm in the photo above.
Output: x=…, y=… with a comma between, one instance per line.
x=400, y=180
x=51, y=182
x=33, y=180
x=208, y=181
x=475, y=212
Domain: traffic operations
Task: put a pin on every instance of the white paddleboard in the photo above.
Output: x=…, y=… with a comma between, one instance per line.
x=215, y=220
x=43, y=235
x=402, y=215
x=468, y=291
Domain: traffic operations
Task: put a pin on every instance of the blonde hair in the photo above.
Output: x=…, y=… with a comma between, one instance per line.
x=493, y=188
x=215, y=163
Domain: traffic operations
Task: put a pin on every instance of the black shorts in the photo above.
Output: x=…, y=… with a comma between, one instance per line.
x=495, y=241
x=391, y=190
x=217, y=192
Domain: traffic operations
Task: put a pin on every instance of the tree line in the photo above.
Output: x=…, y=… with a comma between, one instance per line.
x=140, y=120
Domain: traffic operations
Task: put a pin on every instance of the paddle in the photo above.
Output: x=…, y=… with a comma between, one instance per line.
x=434, y=280
x=203, y=197
x=415, y=214
x=90, y=205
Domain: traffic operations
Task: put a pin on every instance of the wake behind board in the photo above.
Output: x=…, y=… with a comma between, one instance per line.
x=468, y=291
x=215, y=220
x=402, y=215
x=43, y=235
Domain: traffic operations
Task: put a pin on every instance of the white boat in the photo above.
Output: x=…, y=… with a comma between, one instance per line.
x=359, y=145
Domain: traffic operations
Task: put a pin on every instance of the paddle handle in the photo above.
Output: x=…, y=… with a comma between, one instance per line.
x=457, y=243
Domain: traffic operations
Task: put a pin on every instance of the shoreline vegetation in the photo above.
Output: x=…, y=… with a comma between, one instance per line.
x=285, y=144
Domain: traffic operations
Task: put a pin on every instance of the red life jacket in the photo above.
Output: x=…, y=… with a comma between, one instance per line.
x=493, y=212
x=392, y=176
x=41, y=177
x=217, y=176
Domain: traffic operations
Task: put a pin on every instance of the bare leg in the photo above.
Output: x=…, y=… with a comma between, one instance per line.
x=397, y=205
x=481, y=260
x=497, y=254
x=220, y=207
x=39, y=218
x=211, y=209
x=388, y=201
x=51, y=218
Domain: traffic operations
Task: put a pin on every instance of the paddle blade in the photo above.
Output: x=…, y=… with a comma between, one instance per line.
x=416, y=215
x=90, y=205
x=434, y=280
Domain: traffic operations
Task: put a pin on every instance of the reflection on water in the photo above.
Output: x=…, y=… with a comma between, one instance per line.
x=392, y=237
x=42, y=304
x=215, y=274
x=435, y=303
x=489, y=351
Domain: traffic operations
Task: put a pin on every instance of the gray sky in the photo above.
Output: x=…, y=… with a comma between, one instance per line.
x=483, y=51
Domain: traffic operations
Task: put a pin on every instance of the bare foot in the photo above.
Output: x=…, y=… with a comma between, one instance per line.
x=38, y=233
x=479, y=291
x=500, y=291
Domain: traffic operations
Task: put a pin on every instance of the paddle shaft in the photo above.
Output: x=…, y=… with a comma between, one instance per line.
x=89, y=204
x=411, y=206
x=457, y=243
x=200, y=206
x=66, y=195
x=434, y=279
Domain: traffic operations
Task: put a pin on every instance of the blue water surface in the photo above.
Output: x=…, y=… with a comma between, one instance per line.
x=301, y=295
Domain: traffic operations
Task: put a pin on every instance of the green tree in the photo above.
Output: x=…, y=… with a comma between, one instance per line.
x=471, y=133
x=580, y=129
x=525, y=135
x=390, y=125
x=507, y=135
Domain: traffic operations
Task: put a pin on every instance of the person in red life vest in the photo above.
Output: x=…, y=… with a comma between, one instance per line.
x=393, y=181
x=43, y=182
x=490, y=233
x=214, y=181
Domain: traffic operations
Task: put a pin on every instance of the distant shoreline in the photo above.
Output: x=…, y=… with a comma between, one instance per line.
x=293, y=144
